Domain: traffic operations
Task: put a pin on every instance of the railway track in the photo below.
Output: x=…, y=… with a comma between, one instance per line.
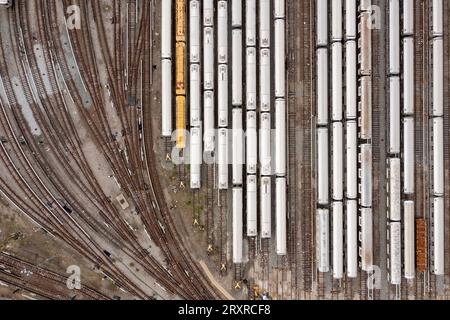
x=301, y=85
x=223, y=214
x=87, y=252
x=16, y=266
x=446, y=15
x=379, y=116
x=77, y=209
x=422, y=156
x=61, y=61
x=209, y=177
x=294, y=218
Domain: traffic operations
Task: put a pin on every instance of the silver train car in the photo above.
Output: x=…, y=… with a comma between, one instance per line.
x=250, y=22
x=266, y=207
x=252, y=143
x=323, y=167
x=352, y=238
x=194, y=31
x=238, y=149
x=281, y=216
x=236, y=93
x=222, y=32
x=323, y=236
x=237, y=225
x=252, y=206
x=196, y=157
x=338, y=240
x=338, y=161
x=251, y=79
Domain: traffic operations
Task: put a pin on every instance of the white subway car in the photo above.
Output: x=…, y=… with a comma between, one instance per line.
x=195, y=89
x=438, y=157
x=408, y=17
x=394, y=36
x=236, y=13
x=237, y=225
x=338, y=161
x=352, y=238
x=364, y=5
x=236, y=93
x=250, y=83
x=438, y=77
x=250, y=22
x=222, y=101
x=252, y=143
x=265, y=145
x=336, y=20
x=323, y=171
x=408, y=76
x=280, y=137
x=409, y=239
x=238, y=147
x=438, y=19
x=208, y=58
x=338, y=240
x=323, y=238
x=196, y=157
x=266, y=208
x=194, y=31
x=222, y=32
x=351, y=81
x=279, y=9
x=322, y=22
x=322, y=86
x=222, y=155
x=264, y=23
x=394, y=115
x=365, y=107
x=350, y=19
x=395, y=212
x=280, y=65
x=366, y=239
x=395, y=253
x=439, y=236
x=365, y=44
x=281, y=216
x=265, y=79
x=208, y=13
x=252, y=206
x=408, y=155
x=166, y=29
x=351, y=191
x=366, y=175
x=208, y=121
x=336, y=81
x=166, y=98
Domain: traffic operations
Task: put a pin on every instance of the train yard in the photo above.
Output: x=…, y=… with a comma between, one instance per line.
x=230, y=149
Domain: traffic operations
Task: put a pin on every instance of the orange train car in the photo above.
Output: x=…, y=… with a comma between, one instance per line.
x=180, y=21
x=421, y=245
x=181, y=122
x=180, y=70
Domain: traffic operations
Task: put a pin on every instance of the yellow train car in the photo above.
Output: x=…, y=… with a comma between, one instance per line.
x=181, y=122
x=180, y=69
x=180, y=21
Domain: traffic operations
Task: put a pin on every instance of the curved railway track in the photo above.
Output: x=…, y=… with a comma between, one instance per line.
x=12, y=273
x=31, y=163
